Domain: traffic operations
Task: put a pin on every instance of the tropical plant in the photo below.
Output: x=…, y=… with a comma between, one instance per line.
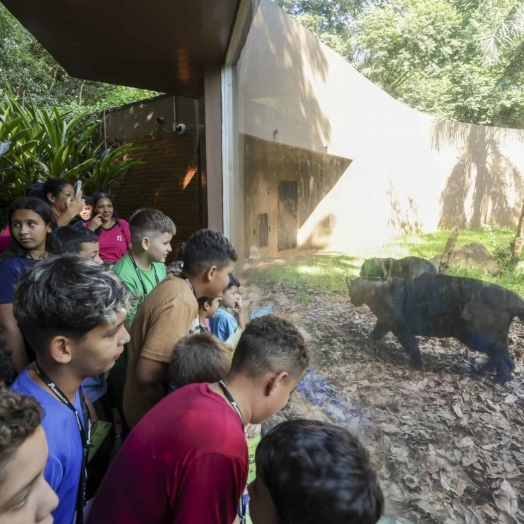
x=111, y=165
x=36, y=144
x=20, y=136
x=503, y=38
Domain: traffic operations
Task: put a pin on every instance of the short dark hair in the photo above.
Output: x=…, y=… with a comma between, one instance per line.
x=7, y=370
x=206, y=248
x=199, y=358
x=147, y=222
x=88, y=200
x=35, y=190
x=271, y=344
x=19, y=418
x=202, y=301
x=318, y=472
x=69, y=239
x=233, y=282
x=69, y=295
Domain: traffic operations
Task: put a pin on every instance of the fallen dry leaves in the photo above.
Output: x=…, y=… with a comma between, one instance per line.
x=448, y=446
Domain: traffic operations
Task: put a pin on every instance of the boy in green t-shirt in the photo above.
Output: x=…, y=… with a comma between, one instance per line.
x=141, y=269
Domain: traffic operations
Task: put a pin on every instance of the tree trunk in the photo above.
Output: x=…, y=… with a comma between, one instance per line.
x=517, y=243
x=448, y=251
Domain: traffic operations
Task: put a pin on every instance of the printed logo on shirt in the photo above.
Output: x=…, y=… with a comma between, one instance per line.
x=119, y=238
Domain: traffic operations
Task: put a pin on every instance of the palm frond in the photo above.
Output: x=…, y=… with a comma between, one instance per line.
x=514, y=69
x=506, y=29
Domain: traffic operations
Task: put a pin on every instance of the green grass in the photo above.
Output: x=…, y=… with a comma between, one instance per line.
x=327, y=272
x=430, y=244
x=319, y=273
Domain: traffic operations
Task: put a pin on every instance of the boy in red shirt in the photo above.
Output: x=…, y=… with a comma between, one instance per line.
x=186, y=461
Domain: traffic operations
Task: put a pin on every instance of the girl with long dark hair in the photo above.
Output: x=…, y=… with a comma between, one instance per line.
x=114, y=236
x=30, y=221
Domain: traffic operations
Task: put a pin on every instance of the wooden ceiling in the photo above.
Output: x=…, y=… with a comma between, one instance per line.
x=162, y=45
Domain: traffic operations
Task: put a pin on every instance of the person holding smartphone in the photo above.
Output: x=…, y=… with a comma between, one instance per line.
x=65, y=203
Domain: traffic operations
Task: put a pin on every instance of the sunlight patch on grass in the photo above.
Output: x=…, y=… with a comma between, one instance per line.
x=327, y=272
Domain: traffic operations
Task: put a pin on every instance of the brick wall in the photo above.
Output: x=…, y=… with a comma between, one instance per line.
x=168, y=180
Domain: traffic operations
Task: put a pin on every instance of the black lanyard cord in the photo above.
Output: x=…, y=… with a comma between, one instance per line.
x=84, y=437
x=231, y=400
x=234, y=405
x=183, y=277
x=138, y=274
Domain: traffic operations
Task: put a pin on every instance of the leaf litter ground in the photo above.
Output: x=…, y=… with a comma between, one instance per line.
x=448, y=445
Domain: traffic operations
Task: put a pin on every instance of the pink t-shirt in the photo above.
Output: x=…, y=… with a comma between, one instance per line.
x=113, y=241
x=5, y=237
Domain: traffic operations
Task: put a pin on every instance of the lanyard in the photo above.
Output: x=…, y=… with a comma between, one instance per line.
x=144, y=289
x=86, y=439
x=234, y=405
x=231, y=400
x=190, y=285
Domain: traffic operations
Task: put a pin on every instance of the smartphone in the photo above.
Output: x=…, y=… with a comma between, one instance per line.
x=78, y=188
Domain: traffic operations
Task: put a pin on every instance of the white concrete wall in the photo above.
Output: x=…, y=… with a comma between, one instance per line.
x=409, y=171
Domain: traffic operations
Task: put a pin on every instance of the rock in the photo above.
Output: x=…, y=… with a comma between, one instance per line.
x=472, y=255
x=254, y=253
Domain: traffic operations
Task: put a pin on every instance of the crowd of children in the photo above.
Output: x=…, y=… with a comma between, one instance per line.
x=92, y=339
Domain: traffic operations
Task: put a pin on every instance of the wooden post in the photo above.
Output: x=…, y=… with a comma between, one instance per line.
x=515, y=248
x=448, y=251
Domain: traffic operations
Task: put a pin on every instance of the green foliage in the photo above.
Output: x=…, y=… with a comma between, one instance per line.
x=33, y=73
x=319, y=273
x=503, y=38
x=36, y=144
x=20, y=136
x=455, y=59
x=109, y=166
x=327, y=273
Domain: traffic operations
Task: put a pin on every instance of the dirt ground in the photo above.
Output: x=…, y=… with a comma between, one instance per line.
x=448, y=445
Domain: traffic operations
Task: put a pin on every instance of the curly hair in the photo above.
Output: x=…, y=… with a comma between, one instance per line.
x=271, y=344
x=19, y=418
x=7, y=370
x=67, y=294
x=318, y=472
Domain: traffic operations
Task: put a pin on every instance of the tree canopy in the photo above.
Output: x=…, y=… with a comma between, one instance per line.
x=457, y=59
x=30, y=71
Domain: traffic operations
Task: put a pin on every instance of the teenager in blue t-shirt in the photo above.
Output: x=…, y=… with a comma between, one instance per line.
x=30, y=221
x=224, y=324
x=72, y=313
x=63, y=466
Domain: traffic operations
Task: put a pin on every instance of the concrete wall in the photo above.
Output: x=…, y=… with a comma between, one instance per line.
x=405, y=171
x=169, y=178
x=286, y=184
